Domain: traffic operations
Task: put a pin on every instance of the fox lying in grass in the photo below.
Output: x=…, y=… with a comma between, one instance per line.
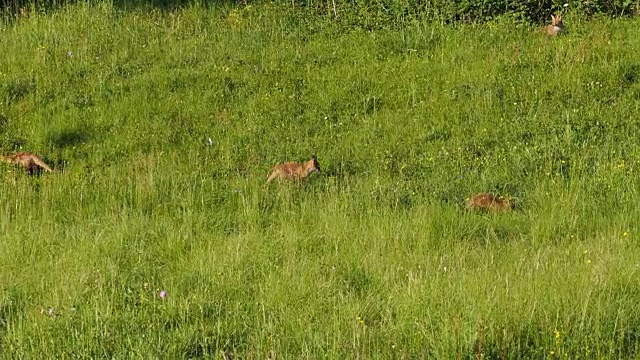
x=556, y=27
x=30, y=162
x=293, y=170
x=488, y=202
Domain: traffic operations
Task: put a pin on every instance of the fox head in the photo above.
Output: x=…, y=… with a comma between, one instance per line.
x=507, y=204
x=312, y=165
x=556, y=20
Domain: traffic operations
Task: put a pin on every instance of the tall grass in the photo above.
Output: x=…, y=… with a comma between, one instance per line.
x=374, y=258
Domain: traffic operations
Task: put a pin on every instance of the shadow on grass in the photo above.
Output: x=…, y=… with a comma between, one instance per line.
x=18, y=90
x=70, y=137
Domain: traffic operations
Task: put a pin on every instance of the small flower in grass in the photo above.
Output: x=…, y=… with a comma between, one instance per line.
x=565, y=5
x=163, y=294
x=70, y=54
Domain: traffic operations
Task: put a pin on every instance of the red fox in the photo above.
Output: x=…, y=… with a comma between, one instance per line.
x=556, y=26
x=30, y=162
x=489, y=201
x=293, y=170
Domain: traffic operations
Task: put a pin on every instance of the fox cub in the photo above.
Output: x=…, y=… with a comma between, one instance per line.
x=489, y=202
x=556, y=27
x=293, y=170
x=30, y=162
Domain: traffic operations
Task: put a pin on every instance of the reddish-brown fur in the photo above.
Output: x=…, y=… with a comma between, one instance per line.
x=293, y=170
x=30, y=162
x=490, y=202
x=556, y=26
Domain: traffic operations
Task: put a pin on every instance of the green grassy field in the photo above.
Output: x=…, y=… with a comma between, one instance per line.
x=373, y=258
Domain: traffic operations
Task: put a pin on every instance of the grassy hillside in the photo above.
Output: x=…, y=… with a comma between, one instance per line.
x=374, y=258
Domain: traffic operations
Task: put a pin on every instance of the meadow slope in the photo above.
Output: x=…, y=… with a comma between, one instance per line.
x=166, y=125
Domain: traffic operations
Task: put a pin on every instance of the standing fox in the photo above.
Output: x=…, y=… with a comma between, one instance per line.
x=489, y=202
x=293, y=170
x=30, y=162
x=556, y=27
